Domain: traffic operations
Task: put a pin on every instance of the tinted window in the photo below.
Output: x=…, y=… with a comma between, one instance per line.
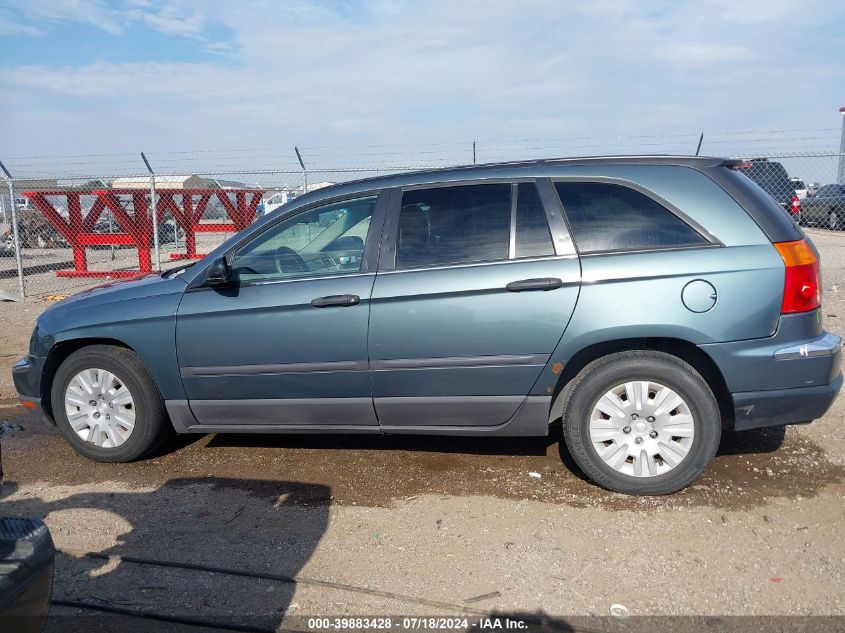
x=607, y=217
x=448, y=225
x=532, y=228
x=321, y=241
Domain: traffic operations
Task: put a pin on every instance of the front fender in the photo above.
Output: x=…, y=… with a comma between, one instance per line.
x=144, y=322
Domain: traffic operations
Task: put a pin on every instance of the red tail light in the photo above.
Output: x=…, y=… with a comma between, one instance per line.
x=795, y=205
x=802, y=287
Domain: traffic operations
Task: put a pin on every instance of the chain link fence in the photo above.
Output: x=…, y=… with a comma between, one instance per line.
x=61, y=234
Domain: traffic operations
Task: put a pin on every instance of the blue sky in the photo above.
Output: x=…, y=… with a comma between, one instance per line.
x=114, y=77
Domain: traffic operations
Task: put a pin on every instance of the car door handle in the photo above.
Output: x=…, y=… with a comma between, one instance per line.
x=343, y=301
x=546, y=283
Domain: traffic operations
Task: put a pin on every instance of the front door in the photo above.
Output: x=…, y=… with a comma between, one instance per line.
x=472, y=297
x=286, y=344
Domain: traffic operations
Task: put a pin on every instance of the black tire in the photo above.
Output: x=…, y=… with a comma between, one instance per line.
x=603, y=374
x=151, y=424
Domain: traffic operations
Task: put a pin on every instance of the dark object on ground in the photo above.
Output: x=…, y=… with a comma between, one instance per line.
x=27, y=557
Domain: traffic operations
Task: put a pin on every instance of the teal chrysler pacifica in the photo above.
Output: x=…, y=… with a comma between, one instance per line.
x=648, y=302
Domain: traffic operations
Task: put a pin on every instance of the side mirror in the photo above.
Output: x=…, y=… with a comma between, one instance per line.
x=218, y=273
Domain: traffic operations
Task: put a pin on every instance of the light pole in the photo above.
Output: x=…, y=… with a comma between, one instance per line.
x=841, y=176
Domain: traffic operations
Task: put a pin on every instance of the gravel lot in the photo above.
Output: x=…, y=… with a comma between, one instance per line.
x=399, y=525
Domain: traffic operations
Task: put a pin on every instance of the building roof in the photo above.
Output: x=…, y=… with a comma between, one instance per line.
x=162, y=182
x=35, y=184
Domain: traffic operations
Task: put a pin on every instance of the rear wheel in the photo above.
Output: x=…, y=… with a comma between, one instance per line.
x=641, y=422
x=107, y=406
x=835, y=221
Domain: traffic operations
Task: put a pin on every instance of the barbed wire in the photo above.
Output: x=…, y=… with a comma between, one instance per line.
x=463, y=142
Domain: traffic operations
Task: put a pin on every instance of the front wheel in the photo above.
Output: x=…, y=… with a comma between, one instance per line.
x=641, y=422
x=107, y=406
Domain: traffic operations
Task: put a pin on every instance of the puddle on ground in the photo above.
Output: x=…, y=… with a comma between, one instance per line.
x=751, y=468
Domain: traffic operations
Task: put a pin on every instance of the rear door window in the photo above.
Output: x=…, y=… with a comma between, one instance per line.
x=450, y=225
x=611, y=217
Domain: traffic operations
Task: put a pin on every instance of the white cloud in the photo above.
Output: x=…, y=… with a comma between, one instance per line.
x=94, y=12
x=708, y=54
x=111, y=17
x=388, y=72
x=171, y=21
x=10, y=26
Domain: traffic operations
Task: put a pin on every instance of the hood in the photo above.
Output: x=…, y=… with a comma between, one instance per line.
x=144, y=285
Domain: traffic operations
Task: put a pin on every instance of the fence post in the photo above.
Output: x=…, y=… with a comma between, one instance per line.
x=841, y=178
x=15, y=235
x=304, y=171
x=154, y=212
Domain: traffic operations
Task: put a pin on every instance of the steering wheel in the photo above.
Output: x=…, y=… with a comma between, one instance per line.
x=288, y=260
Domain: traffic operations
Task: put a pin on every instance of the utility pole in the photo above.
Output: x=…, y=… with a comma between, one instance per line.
x=15, y=236
x=473, y=152
x=154, y=213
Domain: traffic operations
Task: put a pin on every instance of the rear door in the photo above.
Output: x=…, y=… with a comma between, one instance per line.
x=473, y=293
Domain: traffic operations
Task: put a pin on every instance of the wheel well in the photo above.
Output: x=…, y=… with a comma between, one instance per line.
x=57, y=355
x=684, y=350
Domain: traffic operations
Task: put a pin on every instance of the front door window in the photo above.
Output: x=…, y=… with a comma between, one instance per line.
x=325, y=240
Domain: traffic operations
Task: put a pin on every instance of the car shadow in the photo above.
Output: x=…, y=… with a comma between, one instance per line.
x=516, y=446
x=754, y=441
x=108, y=542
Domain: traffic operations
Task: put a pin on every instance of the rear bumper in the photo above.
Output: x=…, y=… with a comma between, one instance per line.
x=777, y=407
x=788, y=378
x=800, y=354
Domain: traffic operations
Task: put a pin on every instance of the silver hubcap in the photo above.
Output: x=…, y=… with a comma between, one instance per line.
x=642, y=428
x=100, y=408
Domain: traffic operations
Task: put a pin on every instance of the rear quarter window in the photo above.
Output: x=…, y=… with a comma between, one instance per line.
x=611, y=217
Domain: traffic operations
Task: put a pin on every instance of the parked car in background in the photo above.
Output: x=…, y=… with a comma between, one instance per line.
x=643, y=301
x=274, y=201
x=772, y=178
x=826, y=207
x=800, y=188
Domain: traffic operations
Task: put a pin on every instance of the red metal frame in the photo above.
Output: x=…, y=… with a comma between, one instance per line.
x=242, y=212
x=79, y=232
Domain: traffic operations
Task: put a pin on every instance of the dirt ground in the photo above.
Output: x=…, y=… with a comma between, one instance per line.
x=353, y=525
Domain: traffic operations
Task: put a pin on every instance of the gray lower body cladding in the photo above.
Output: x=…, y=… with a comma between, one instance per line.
x=777, y=407
x=305, y=416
